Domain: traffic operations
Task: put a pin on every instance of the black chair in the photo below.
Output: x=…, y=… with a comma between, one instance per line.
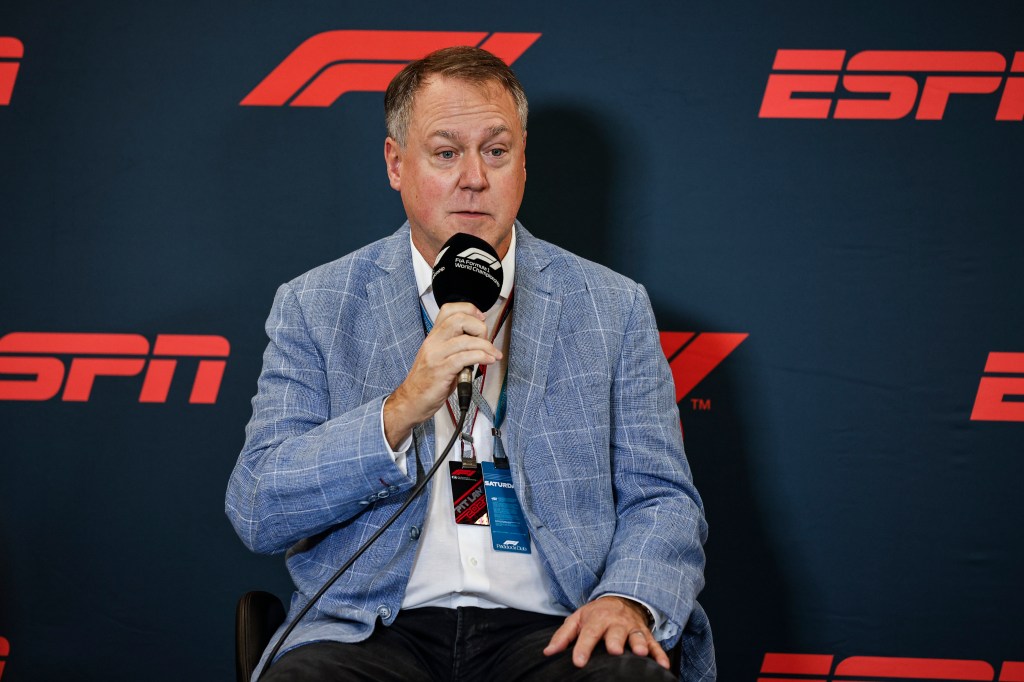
x=257, y=617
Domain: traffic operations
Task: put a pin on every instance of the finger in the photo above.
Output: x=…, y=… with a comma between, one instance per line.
x=659, y=655
x=457, y=324
x=585, y=643
x=638, y=642
x=615, y=638
x=563, y=636
x=455, y=310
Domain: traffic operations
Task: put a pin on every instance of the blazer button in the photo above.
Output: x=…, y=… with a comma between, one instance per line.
x=383, y=611
x=414, y=532
x=382, y=494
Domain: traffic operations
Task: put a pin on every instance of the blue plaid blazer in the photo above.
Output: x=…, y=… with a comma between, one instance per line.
x=592, y=432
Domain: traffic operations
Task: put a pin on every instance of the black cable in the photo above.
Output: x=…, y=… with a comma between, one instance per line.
x=420, y=486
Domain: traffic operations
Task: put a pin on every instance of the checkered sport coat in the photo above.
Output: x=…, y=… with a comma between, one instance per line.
x=592, y=432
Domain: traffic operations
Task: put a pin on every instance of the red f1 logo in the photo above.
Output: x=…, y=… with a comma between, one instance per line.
x=11, y=50
x=33, y=355
x=692, y=356
x=991, y=404
x=818, y=668
x=326, y=66
x=891, y=76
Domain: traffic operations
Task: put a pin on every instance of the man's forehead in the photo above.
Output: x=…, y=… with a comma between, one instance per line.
x=490, y=90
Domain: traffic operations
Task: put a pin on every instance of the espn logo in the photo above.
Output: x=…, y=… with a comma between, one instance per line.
x=11, y=50
x=991, y=403
x=330, y=64
x=889, y=81
x=818, y=668
x=691, y=357
x=33, y=359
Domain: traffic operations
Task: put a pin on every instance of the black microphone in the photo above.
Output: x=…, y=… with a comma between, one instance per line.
x=467, y=269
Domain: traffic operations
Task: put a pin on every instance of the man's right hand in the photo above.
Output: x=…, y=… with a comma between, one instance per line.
x=458, y=339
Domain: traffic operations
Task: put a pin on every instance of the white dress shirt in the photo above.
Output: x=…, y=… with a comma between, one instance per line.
x=455, y=564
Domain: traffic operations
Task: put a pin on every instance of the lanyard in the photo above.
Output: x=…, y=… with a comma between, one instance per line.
x=497, y=418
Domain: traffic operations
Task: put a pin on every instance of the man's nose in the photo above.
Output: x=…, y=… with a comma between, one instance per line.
x=474, y=173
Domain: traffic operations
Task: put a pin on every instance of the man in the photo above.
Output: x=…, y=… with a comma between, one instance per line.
x=352, y=407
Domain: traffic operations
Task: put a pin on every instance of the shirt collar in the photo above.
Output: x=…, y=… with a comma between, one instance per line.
x=424, y=271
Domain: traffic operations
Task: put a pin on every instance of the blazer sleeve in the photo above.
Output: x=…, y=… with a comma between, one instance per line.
x=302, y=470
x=657, y=553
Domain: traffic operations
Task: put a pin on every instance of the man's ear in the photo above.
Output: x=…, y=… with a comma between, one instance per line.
x=393, y=160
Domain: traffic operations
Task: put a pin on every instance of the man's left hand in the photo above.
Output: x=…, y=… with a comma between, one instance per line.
x=615, y=620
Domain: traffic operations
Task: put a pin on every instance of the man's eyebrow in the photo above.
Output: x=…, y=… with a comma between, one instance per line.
x=455, y=136
x=452, y=135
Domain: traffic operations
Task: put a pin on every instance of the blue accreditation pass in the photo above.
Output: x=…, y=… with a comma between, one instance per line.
x=508, y=525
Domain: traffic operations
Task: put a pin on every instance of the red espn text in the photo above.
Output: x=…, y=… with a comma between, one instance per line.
x=879, y=668
x=326, y=66
x=886, y=75
x=29, y=354
x=990, y=404
x=10, y=49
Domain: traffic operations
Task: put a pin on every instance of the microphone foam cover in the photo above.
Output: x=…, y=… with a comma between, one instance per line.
x=467, y=269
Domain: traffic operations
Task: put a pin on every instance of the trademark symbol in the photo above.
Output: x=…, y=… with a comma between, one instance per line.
x=700, y=404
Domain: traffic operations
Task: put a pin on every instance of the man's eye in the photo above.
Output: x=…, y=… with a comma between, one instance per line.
x=447, y=154
x=498, y=152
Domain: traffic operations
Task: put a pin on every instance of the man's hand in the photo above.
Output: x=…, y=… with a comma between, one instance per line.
x=457, y=340
x=615, y=620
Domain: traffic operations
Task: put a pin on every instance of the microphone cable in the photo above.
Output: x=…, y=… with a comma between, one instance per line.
x=421, y=484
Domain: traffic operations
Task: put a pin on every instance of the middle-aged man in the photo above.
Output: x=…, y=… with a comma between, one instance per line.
x=352, y=407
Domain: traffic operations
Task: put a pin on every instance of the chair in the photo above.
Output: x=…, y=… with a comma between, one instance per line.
x=257, y=617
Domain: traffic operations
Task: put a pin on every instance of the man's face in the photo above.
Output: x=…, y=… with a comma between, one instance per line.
x=463, y=167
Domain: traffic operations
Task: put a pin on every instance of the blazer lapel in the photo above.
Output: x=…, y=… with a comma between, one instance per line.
x=535, y=317
x=396, y=312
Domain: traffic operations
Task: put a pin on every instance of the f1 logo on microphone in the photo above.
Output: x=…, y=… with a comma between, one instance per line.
x=11, y=50
x=474, y=253
x=330, y=64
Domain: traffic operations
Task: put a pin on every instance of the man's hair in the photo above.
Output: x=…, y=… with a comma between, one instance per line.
x=469, y=64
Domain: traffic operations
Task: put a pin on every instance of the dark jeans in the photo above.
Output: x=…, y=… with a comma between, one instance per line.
x=458, y=645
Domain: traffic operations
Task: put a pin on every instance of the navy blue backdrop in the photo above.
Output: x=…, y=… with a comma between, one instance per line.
x=859, y=450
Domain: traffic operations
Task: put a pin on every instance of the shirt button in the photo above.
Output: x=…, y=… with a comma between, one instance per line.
x=473, y=561
x=414, y=532
x=383, y=611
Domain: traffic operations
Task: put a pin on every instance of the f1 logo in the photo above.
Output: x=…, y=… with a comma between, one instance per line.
x=33, y=355
x=991, y=403
x=692, y=356
x=862, y=668
x=11, y=50
x=330, y=64
x=890, y=77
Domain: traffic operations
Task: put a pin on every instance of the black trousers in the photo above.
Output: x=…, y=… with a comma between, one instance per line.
x=458, y=645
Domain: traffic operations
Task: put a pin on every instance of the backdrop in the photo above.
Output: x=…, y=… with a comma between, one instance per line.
x=819, y=198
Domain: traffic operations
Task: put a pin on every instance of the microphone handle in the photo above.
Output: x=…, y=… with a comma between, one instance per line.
x=465, y=388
